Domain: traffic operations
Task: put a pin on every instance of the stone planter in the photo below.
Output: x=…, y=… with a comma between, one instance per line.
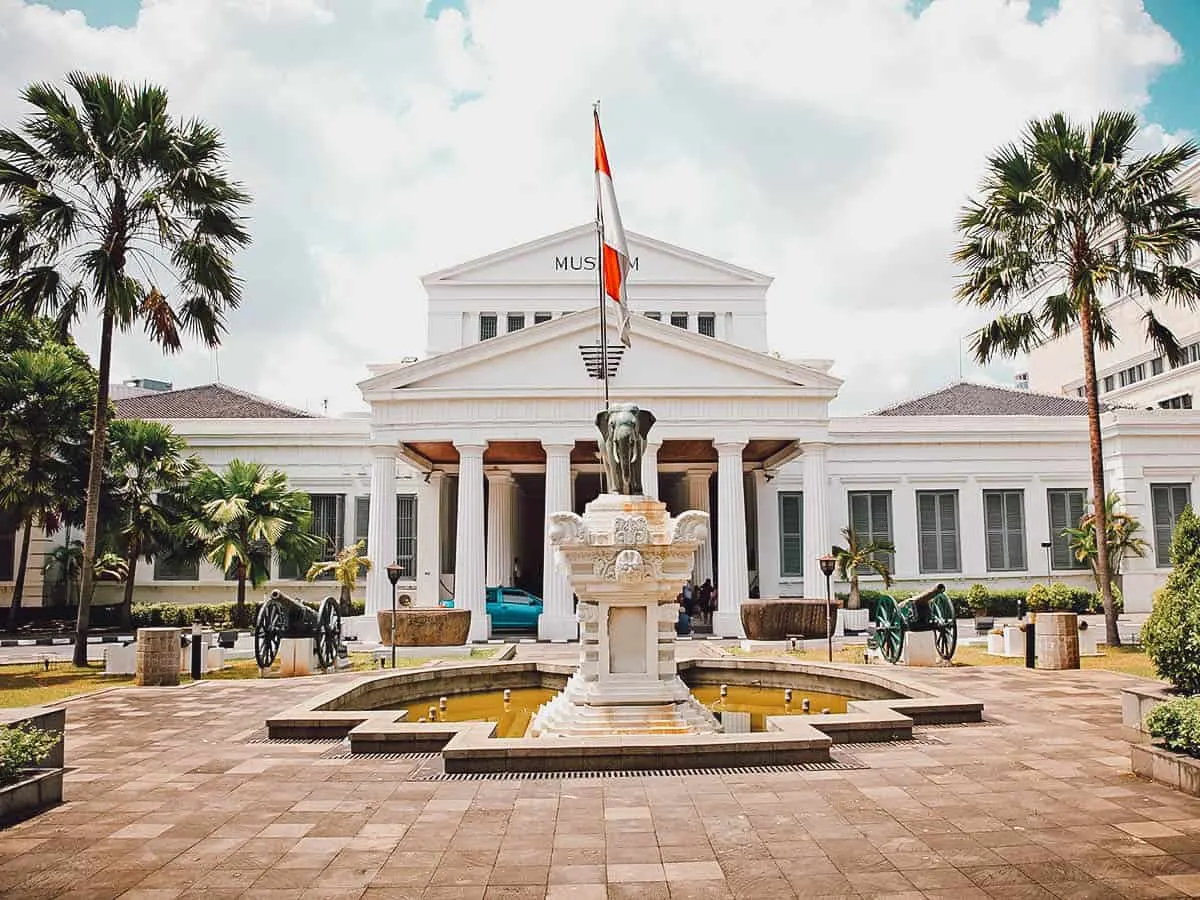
x=38, y=789
x=777, y=620
x=995, y=644
x=1136, y=703
x=1014, y=640
x=1175, y=770
x=1057, y=640
x=431, y=626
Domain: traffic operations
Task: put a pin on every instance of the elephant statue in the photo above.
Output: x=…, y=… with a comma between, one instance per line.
x=623, y=429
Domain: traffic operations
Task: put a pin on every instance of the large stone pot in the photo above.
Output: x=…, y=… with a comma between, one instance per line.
x=431, y=626
x=777, y=620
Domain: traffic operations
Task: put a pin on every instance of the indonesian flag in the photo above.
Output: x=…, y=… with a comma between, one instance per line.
x=614, y=267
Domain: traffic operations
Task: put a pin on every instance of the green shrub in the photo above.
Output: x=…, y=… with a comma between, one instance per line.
x=1062, y=598
x=1177, y=724
x=1171, y=634
x=1037, y=599
x=23, y=746
x=999, y=604
x=977, y=597
x=212, y=615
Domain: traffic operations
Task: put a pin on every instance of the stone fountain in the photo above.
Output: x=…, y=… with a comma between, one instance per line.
x=626, y=559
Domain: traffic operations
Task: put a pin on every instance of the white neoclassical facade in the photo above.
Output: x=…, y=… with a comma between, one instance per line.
x=464, y=452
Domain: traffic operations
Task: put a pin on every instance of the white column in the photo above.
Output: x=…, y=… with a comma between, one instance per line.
x=817, y=540
x=429, y=540
x=767, y=507
x=733, y=579
x=469, y=553
x=381, y=527
x=650, y=469
x=500, y=529
x=557, y=622
x=697, y=498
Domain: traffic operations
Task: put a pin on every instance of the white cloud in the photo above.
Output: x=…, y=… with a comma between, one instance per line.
x=829, y=144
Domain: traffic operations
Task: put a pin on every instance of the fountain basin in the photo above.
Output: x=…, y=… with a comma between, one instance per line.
x=431, y=626
x=780, y=619
x=878, y=708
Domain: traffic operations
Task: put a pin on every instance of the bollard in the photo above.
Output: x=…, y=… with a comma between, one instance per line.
x=197, y=653
x=1030, y=644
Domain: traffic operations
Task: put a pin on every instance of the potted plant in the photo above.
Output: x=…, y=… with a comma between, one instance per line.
x=25, y=789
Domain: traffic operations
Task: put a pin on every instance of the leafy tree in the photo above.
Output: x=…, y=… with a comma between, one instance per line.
x=1070, y=217
x=45, y=405
x=136, y=205
x=148, y=467
x=855, y=557
x=66, y=563
x=242, y=515
x=346, y=566
x=1123, y=539
x=1171, y=634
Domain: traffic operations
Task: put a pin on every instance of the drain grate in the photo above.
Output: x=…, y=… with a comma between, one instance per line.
x=342, y=751
x=843, y=763
x=891, y=745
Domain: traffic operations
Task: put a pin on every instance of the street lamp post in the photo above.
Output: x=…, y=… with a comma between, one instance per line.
x=393, y=572
x=1046, y=545
x=827, y=565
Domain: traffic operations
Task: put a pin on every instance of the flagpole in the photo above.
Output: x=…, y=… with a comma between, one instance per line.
x=600, y=272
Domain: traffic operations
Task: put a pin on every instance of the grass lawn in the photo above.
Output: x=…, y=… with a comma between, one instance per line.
x=31, y=684
x=1128, y=660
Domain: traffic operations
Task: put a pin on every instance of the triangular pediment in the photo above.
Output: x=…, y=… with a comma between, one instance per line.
x=548, y=356
x=569, y=257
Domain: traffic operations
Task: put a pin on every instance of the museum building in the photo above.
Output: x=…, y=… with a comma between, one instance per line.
x=465, y=451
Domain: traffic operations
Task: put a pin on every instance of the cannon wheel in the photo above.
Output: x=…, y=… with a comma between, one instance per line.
x=268, y=631
x=889, y=630
x=945, y=626
x=329, y=633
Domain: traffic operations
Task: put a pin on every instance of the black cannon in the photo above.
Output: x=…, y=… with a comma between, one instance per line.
x=930, y=611
x=282, y=616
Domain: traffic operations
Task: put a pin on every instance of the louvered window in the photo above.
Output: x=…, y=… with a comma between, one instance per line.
x=679, y=319
x=937, y=522
x=706, y=324
x=1004, y=515
x=516, y=321
x=1067, y=507
x=329, y=524
x=487, y=326
x=871, y=519
x=791, y=534
x=1168, y=501
x=539, y=318
x=406, y=535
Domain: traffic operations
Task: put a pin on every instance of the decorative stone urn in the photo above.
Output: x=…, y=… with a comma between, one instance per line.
x=432, y=626
x=626, y=559
x=777, y=620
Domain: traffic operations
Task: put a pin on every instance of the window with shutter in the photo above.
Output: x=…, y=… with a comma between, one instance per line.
x=362, y=518
x=791, y=534
x=329, y=524
x=487, y=326
x=871, y=519
x=406, y=535
x=539, y=318
x=516, y=321
x=1168, y=501
x=1004, y=523
x=706, y=324
x=937, y=525
x=1067, y=507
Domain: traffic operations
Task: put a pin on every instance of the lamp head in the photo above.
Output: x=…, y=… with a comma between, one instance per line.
x=828, y=564
x=1046, y=545
x=393, y=573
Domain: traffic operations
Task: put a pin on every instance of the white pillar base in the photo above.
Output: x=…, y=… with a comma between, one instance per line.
x=557, y=628
x=296, y=657
x=728, y=625
x=919, y=650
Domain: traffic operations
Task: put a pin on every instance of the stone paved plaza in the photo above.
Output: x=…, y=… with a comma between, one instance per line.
x=172, y=793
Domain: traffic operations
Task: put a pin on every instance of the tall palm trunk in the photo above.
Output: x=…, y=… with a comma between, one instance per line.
x=19, y=587
x=1097, y=455
x=125, y=620
x=239, y=612
x=855, y=599
x=91, y=520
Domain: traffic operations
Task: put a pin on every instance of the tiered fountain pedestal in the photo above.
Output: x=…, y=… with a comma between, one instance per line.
x=626, y=559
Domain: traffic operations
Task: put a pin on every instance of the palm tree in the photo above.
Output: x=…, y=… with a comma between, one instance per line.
x=148, y=467
x=137, y=206
x=345, y=568
x=1123, y=540
x=66, y=562
x=1070, y=218
x=46, y=399
x=855, y=557
x=242, y=515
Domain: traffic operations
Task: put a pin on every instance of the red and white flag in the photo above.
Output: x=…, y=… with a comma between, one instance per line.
x=614, y=266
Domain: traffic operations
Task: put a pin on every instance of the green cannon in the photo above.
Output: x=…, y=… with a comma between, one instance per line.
x=930, y=611
x=282, y=616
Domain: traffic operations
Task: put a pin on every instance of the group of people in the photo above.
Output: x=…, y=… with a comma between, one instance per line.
x=699, y=602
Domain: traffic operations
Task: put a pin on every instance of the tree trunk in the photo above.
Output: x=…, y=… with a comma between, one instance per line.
x=91, y=520
x=125, y=619
x=344, y=602
x=239, y=611
x=14, y=610
x=1097, y=458
x=854, y=601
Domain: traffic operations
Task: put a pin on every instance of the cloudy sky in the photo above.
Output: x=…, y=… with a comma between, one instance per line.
x=826, y=142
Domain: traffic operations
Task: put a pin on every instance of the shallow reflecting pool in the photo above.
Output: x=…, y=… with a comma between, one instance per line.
x=513, y=714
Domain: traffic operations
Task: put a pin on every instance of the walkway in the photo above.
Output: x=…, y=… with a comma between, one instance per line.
x=170, y=796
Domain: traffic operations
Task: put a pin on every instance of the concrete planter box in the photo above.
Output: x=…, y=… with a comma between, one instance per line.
x=38, y=789
x=1175, y=770
x=1136, y=703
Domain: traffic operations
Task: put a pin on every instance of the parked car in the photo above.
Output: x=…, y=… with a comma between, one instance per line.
x=510, y=608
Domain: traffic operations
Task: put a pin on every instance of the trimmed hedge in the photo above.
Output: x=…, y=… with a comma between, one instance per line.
x=216, y=615
x=999, y=604
x=1177, y=724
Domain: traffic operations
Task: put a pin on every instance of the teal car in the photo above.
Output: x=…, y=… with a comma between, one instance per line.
x=510, y=608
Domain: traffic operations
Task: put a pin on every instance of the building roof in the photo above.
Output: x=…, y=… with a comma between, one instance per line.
x=968, y=399
x=118, y=392
x=208, y=401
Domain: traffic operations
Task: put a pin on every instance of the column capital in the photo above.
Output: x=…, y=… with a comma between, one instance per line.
x=470, y=448
x=698, y=474
x=498, y=476
x=653, y=444
x=384, y=449
x=558, y=449
x=815, y=447
x=729, y=448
